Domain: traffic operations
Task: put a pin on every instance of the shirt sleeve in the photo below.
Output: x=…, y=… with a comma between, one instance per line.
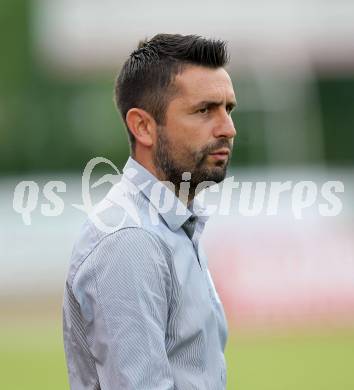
x=123, y=290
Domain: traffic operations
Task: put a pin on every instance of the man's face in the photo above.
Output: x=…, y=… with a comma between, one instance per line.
x=198, y=124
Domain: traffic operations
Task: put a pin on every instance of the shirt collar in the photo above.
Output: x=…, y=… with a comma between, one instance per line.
x=159, y=195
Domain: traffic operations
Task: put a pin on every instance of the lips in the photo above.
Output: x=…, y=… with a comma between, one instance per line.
x=223, y=151
x=220, y=154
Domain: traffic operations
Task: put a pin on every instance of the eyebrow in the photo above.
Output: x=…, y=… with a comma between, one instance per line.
x=214, y=103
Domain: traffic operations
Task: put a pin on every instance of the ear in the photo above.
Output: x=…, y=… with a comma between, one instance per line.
x=142, y=125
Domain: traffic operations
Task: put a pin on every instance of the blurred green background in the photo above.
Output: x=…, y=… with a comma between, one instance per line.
x=53, y=120
x=32, y=358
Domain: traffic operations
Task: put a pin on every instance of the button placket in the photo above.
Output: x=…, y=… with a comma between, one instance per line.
x=191, y=229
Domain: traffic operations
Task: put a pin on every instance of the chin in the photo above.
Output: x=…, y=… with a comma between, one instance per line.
x=217, y=174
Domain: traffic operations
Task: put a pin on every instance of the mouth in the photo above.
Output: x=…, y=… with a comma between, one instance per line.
x=220, y=154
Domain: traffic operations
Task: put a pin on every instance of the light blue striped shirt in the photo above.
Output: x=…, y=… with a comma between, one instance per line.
x=140, y=309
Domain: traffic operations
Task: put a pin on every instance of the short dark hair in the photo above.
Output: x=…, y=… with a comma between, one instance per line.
x=146, y=79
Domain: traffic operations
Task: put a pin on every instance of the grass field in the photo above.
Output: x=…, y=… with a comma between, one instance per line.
x=32, y=358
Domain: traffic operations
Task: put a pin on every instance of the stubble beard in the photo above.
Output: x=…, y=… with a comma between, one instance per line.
x=171, y=169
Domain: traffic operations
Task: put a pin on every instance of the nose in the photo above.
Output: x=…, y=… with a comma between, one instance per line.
x=225, y=127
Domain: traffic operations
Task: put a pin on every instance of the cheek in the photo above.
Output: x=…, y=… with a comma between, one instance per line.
x=188, y=135
x=194, y=133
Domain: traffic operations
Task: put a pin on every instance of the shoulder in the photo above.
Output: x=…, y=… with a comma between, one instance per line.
x=127, y=246
x=126, y=261
x=118, y=225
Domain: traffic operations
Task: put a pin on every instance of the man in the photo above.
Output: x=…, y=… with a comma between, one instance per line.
x=140, y=308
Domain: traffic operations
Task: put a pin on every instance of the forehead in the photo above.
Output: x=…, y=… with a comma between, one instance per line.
x=197, y=82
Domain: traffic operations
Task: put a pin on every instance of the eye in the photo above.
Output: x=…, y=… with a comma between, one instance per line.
x=203, y=110
x=229, y=109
